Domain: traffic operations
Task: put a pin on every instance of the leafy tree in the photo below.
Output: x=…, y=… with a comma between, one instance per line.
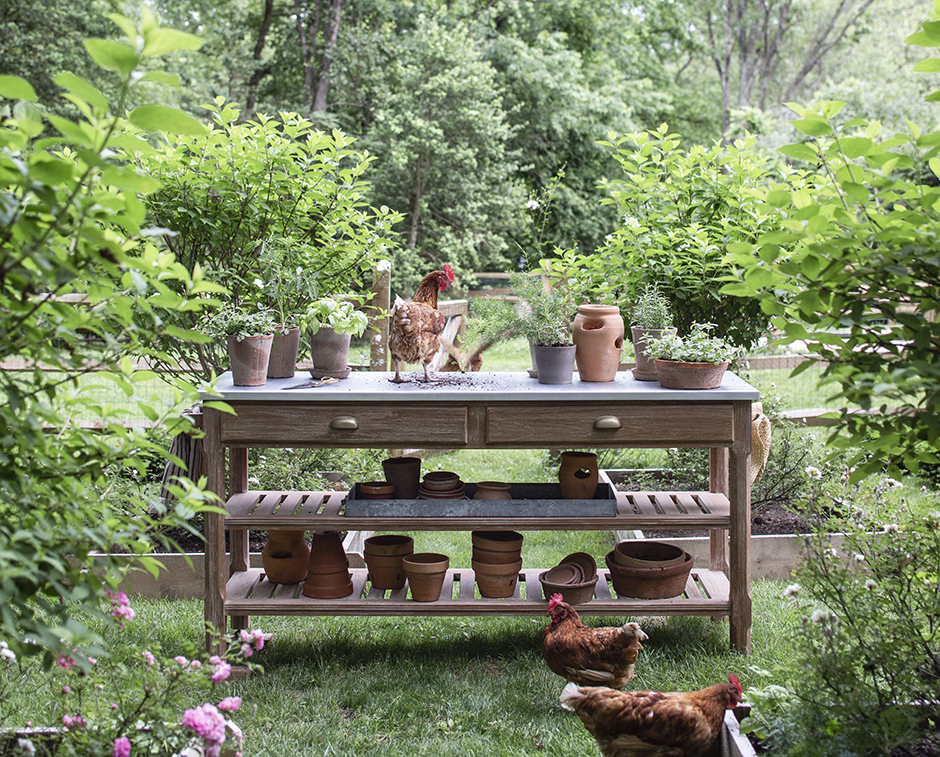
x=858, y=243
x=81, y=286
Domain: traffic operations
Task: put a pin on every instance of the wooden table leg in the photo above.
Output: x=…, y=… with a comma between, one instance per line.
x=215, y=569
x=238, y=540
x=739, y=493
x=718, y=482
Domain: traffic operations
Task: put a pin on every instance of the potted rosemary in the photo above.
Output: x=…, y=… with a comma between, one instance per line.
x=651, y=317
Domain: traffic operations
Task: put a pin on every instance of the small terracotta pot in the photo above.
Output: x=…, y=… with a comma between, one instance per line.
x=328, y=585
x=284, y=557
x=674, y=374
x=249, y=359
x=441, y=480
x=578, y=475
x=377, y=490
x=584, y=561
x=492, y=557
x=405, y=473
x=493, y=490
x=597, y=333
x=326, y=553
x=284, y=348
x=497, y=541
x=329, y=352
x=573, y=594
x=496, y=581
x=642, y=338
x=389, y=544
x=426, y=572
x=386, y=571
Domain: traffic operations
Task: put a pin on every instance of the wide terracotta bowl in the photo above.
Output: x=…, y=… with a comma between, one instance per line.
x=497, y=541
x=649, y=583
x=646, y=554
x=584, y=561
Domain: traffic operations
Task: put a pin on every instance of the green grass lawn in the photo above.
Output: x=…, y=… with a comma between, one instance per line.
x=415, y=686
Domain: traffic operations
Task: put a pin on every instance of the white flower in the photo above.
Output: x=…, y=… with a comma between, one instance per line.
x=870, y=584
x=259, y=283
x=831, y=552
x=792, y=590
x=893, y=483
x=253, y=480
x=818, y=616
x=858, y=558
x=383, y=265
x=891, y=528
x=25, y=747
x=533, y=205
x=813, y=472
x=631, y=222
x=6, y=653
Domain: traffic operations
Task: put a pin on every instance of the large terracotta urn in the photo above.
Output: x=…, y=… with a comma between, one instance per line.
x=597, y=333
x=284, y=557
x=578, y=474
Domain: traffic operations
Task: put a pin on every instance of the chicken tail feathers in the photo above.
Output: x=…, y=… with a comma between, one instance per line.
x=571, y=692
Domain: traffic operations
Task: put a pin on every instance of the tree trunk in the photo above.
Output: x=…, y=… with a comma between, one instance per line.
x=414, y=206
x=260, y=71
x=330, y=35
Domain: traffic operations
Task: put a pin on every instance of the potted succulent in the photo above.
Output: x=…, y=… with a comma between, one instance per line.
x=332, y=322
x=287, y=281
x=696, y=361
x=542, y=313
x=651, y=317
x=248, y=335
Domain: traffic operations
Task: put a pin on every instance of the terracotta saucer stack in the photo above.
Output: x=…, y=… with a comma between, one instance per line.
x=441, y=485
x=574, y=578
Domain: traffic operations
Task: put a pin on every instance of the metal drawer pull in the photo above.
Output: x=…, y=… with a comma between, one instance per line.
x=607, y=422
x=344, y=423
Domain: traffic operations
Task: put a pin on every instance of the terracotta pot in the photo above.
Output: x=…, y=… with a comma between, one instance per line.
x=284, y=348
x=441, y=480
x=648, y=554
x=578, y=475
x=496, y=558
x=386, y=571
x=377, y=490
x=389, y=544
x=642, y=338
x=554, y=365
x=426, y=572
x=284, y=557
x=584, y=561
x=649, y=583
x=326, y=553
x=497, y=541
x=329, y=352
x=496, y=581
x=674, y=374
x=249, y=359
x=573, y=594
x=405, y=473
x=597, y=334
x=328, y=585
x=493, y=490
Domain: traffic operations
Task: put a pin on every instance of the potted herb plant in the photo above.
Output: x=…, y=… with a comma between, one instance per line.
x=696, y=361
x=332, y=322
x=248, y=335
x=651, y=317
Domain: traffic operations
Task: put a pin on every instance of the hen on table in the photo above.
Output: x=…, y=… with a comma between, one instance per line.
x=415, y=325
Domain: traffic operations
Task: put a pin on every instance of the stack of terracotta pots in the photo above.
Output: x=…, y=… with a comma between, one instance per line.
x=496, y=562
x=648, y=569
x=574, y=578
x=383, y=556
x=328, y=575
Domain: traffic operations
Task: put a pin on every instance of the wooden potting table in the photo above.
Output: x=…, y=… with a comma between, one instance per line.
x=479, y=411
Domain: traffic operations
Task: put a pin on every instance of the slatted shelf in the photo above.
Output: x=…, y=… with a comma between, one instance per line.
x=266, y=510
x=250, y=593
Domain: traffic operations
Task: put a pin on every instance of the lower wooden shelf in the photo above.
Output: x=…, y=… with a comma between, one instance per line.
x=249, y=593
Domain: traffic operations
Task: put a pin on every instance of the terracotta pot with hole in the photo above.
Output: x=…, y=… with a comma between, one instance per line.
x=578, y=475
x=426, y=572
x=284, y=557
x=496, y=581
x=597, y=334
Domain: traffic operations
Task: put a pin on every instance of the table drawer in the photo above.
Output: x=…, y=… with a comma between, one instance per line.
x=289, y=424
x=707, y=424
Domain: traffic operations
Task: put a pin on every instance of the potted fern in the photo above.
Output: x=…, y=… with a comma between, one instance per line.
x=651, y=318
x=696, y=361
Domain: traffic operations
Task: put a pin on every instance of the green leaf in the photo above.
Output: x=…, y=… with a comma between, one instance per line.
x=160, y=40
x=16, y=88
x=164, y=119
x=78, y=86
x=855, y=147
x=779, y=198
x=814, y=127
x=800, y=151
x=126, y=26
x=164, y=78
x=70, y=130
x=858, y=192
x=112, y=56
x=929, y=66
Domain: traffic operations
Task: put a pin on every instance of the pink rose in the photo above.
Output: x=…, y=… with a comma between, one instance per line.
x=122, y=747
x=206, y=722
x=222, y=671
x=230, y=703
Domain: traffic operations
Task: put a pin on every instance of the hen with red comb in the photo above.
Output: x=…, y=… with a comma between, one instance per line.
x=415, y=325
